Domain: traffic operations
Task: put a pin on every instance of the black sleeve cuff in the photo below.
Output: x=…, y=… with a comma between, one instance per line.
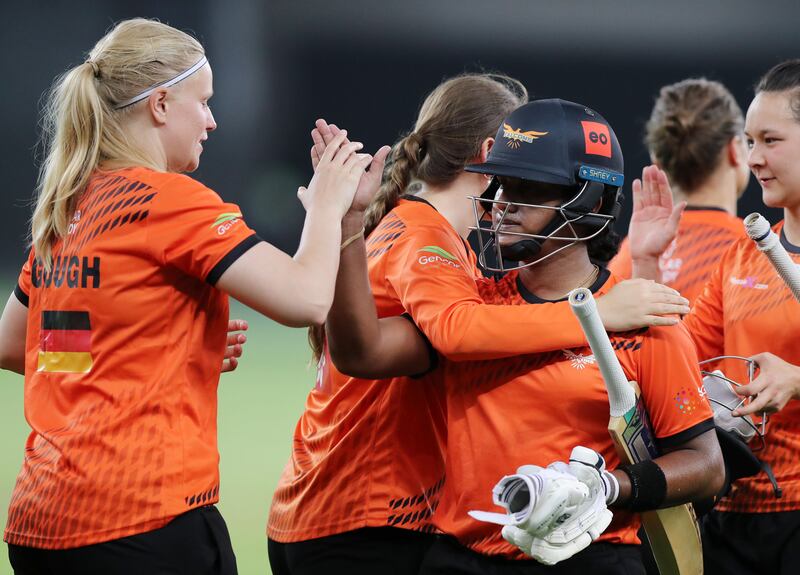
x=21, y=295
x=233, y=255
x=433, y=356
x=667, y=443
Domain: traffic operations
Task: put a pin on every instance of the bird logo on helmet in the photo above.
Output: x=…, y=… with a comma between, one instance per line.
x=575, y=150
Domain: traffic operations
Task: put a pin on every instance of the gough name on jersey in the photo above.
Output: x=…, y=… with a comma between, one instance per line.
x=69, y=271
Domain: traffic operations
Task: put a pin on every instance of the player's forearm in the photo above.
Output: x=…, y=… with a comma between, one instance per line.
x=646, y=268
x=693, y=472
x=470, y=331
x=317, y=262
x=352, y=324
x=360, y=345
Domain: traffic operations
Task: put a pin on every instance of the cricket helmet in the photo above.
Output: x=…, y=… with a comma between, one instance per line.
x=552, y=142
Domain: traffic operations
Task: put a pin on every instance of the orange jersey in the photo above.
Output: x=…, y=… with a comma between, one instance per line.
x=125, y=339
x=369, y=453
x=534, y=409
x=704, y=234
x=747, y=309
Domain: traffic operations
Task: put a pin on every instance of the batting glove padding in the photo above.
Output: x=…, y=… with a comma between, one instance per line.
x=536, y=499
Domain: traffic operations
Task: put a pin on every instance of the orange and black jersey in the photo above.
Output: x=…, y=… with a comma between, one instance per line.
x=534, y=409
x=370, y=453
x=746, y=309
x=125, y=337
x=704, y=234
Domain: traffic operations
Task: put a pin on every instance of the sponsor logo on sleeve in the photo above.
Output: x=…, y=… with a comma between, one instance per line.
x=597, y=138
x=516, y=136
x=226, y=221
x=437, y=255
x=687, y=400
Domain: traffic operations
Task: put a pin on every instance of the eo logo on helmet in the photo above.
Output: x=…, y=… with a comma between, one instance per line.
x=437, y=255
x=516, y=135
x=225, y=221
x=597, y=139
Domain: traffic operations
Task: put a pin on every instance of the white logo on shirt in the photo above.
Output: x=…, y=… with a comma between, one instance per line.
x=578, y=360
x=749, y=282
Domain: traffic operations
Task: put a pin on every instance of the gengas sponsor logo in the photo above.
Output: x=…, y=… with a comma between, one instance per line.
x=437, y=255
x=226, y=221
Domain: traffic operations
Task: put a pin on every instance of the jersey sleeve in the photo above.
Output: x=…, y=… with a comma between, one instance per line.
x=23, y=288
x=671, y=386
x=429, y=271
x=192, y=229
x=621, y=265
x=705, y=320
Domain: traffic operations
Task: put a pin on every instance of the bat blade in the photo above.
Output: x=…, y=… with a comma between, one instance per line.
x=631, y=434
x=673, y=532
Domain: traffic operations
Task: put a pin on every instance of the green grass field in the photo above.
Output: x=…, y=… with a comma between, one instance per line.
x=258, y=407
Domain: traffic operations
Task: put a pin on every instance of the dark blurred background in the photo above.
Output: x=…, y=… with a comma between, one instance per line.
x=367, y=65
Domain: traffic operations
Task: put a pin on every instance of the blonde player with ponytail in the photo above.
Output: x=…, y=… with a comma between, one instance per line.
x=118, y=320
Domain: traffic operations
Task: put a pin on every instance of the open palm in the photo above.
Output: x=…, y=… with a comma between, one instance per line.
x=370, y=181
x=654, y=223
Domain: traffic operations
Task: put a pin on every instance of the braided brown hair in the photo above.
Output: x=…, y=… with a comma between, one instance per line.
x=453, y=123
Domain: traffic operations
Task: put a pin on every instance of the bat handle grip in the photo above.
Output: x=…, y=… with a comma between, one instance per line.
x=761, y=233
x=621, y=396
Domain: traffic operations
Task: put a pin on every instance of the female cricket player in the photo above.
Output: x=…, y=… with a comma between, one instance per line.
x=695, y=134
x=366, y=469
x=118, y=320
x=746, y=310
x=554, y=219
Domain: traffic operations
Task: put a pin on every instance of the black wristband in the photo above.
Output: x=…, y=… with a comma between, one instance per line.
x=648, y=486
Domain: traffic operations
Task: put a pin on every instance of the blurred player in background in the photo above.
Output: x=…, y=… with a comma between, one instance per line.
x=695, y=135
x=746, y=310
x=367, y=465
x=533, y=409
x=118, y=320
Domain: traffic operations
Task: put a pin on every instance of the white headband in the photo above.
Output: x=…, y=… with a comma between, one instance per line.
x=182, y=76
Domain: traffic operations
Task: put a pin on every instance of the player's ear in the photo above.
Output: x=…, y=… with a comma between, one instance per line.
x=654, y=161
x=157, y=106
x=736, y=151
x=486, y=147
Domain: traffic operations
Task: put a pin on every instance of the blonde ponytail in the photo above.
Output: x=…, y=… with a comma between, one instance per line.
x=73, y=125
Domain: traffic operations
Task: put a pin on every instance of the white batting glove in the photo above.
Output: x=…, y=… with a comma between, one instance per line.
x=584, y=524
x=536, y=499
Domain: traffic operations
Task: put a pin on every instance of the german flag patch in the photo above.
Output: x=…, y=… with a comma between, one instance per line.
x=65, y=344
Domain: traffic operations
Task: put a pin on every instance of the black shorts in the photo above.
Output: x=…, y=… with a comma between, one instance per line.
x=367, y=551
x=448, y=557
x=196, y=542
x=751, y=543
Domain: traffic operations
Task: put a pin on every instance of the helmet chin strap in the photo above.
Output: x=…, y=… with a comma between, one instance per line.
x=528, y=249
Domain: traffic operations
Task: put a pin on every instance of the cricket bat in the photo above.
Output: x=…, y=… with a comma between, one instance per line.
x=673, y=532
x=759, y=230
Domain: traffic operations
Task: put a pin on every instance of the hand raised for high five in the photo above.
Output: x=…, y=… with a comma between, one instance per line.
x=654, y=222
x=336, y=176
x=322, y=135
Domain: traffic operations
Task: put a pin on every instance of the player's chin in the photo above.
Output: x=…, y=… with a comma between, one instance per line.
x=192, y=164
x=505, y=240
x=774, y=197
